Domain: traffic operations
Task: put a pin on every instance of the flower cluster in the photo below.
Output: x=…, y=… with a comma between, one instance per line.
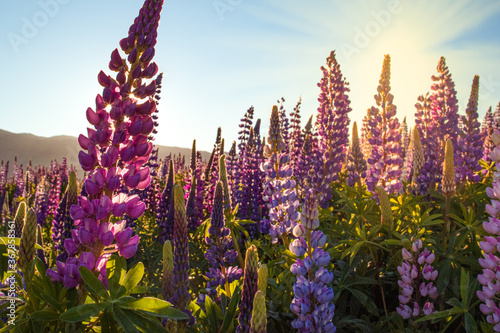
x=332, y=123
x=385, y=161
x=116, y=150
x=279, y=189
x=470, y=143
x=489, y=279
x=312, y=302
x=221, y=253
x=356, y=163
x=413, y=276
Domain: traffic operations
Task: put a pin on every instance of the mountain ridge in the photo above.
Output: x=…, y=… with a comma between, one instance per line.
x=42, y=150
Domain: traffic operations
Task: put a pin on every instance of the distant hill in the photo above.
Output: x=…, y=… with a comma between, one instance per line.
x=41, y=150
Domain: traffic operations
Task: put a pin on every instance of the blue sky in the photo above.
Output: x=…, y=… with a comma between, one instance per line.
x=220, y=57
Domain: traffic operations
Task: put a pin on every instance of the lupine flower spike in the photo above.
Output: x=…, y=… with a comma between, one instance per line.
x=168, y=268
x=250, y=287
x=490, y=277
x=258, y=323
x=417, y=289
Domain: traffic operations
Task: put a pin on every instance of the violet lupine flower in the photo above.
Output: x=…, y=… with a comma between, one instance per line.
x=417, y=287
x=284, y=122
x=212, y=174
x=312, y=302
x=385, y=161
x=406, y=173
x=67, y=272
x=442, y=124
x=57, y=224
x=332, y=129
x=356, y=164
x=116, y=149
x=250, y=287
x=165, y=212
x=280, y=194
x=221, y=254
x=470, y=144
x=489, y=279
x=366, y=147
x=180, y=277
x=304, y=162
x=487, y=130
x=55, y=188
x=41, y=203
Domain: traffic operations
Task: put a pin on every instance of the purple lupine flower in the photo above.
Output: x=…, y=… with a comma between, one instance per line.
x=406, y=172
x=487, y=130
x=41, y=203
x=165, y=212
x=417, y=289
x=57, y=223
x=443, y=124
x=489, y=278
x=115, y=152
x=284, y=122
x=55, y=188
x=221, y=254
x=332, y=129
x=313, y=299
x=250, y=287
x=470, y=144
x=280, y=194
x=180, y=277
x=385, y=160
x=356, y=163
x=304, y=162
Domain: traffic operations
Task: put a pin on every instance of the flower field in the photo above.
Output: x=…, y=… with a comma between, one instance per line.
x=314, y=228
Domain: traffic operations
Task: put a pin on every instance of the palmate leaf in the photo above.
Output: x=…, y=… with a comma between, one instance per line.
x=133, y=277
x=116, y=268
x=82, y=312
x=231, y=310
x=154, y=306
x=93, y=284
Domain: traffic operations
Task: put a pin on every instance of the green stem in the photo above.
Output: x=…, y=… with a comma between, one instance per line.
x=446, y=226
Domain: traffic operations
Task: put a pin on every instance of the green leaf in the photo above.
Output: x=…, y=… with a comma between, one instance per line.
x=455, y=303
x=123, y=320
x=133, y=277
x=433, y=316
x=116, y=268
x=82, y=312
x=144, y=322
x=231, y=310
x=5, y=240
x=470, y=323
x=44, y=315
x=156, y=307
x=93, y=284
x=464, y=286
x=211, y=314
x=40, y=266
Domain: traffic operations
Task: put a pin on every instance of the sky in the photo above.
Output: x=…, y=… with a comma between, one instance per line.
x=219, y=57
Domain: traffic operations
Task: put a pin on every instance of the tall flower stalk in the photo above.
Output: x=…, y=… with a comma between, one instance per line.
x=417, y=289
x=470, y=143
x=332, y=129
x=489, y=278
x=312, y=302
x=279, y=189
x=385, y=161
x=114, y=154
